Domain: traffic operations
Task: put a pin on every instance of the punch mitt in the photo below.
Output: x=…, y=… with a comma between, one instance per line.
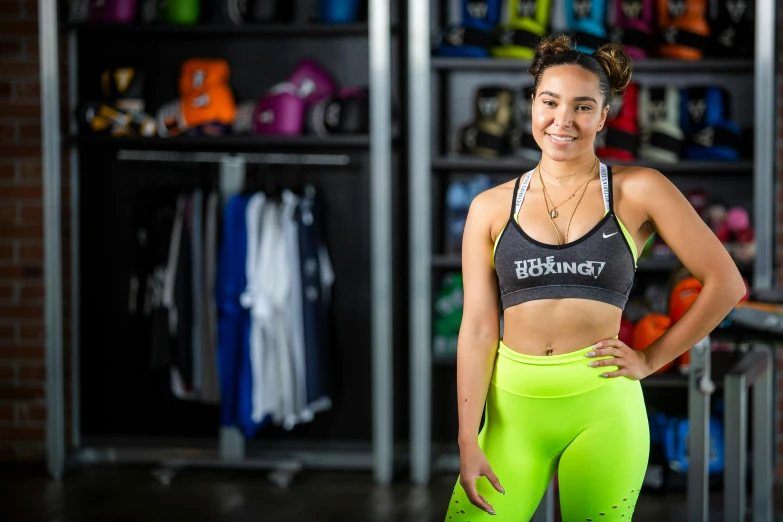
x=528, y=21
x=684, y=30
x=633, y=27
x=733, y=26
x=483, y=142
x=662, y=136
x=585, y=22
x=621, y=138
x=180, y=12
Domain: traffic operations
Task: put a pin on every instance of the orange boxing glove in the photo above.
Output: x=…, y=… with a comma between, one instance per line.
x=212, y=109
x=684, y=30
x=200, y=74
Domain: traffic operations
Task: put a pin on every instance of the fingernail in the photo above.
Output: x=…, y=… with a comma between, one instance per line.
x=604, y=375
x=590, y=354
x=592, y=363
x=502, y=490
x=492, y=512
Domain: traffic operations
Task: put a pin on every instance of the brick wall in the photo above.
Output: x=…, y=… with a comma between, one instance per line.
x=22, y=357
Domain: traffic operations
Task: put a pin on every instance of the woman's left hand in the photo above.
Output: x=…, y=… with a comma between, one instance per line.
x=631, y=363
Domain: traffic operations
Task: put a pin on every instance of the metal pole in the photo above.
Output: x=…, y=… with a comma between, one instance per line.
x=763, y=474
x=698, y=431
x=736, y=431
x=546, y=508
x=381, y=239
x=53, y=308
x=764, y=143
x=73, y=100
x=420, y=224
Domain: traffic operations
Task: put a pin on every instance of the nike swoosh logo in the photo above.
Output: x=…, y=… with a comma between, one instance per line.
x=610, y=235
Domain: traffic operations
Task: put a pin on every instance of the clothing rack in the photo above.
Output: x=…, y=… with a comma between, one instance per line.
x=230, y=451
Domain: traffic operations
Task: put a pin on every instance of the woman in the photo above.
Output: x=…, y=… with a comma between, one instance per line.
x=558, y=247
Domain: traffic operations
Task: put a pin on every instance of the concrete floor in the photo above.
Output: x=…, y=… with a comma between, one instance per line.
x=131, y=494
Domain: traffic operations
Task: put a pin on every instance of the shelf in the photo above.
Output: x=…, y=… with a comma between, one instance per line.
x=271, y=30
x=463, y=163
x=711, y=66
x=203, y=143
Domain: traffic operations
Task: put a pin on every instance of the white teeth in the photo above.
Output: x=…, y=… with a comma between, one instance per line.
x=558, y=138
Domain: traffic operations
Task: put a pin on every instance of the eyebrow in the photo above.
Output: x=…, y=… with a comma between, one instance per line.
x=577, y=99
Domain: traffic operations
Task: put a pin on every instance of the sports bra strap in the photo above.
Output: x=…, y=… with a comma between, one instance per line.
x=606, y=188
x=521, y=193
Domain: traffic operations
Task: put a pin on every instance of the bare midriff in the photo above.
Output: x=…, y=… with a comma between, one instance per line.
x=558, y=326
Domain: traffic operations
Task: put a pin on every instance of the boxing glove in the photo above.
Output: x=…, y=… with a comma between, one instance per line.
x=585, y=22
x=733, y=28
x=99, y=117
x=621, y=138
x=633, y=27
x=346, y=113
x=474, y=36
x=213, y=110
x=311, y=81
x=243, y=121
x=280, y=112
x=79, y=11
x=659, y=121
x=180, y=12
x=683, y=29
x=336, y=11
x=521, y=137
x=710, y=134
x=483, y=142
x=112, y=11
x=259, y=11
x=528, y=21
x=199, y=74
x=123, y=83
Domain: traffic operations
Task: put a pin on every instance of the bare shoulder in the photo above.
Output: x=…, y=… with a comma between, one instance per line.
x=491, y=208
x=637, y=184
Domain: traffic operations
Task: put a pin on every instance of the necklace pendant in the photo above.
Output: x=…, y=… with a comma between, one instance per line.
x=554, y=213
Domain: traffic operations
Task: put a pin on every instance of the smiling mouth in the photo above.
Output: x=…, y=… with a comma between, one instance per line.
x=561, y=139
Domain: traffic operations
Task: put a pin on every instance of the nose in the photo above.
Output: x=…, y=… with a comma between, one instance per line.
x=564, y=116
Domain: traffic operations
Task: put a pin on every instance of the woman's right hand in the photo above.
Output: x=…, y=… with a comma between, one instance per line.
x=473, y=465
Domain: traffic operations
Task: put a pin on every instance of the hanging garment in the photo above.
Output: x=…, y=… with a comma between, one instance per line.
x=182, y=369
x=197, y=285
x=210, y=384
x=294, y=313
x=312, y=253
x=253, y=407
x=233, y=318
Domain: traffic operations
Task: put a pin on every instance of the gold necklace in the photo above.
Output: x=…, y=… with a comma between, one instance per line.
x=554, y=213
x=560, y=177
x=568, y=229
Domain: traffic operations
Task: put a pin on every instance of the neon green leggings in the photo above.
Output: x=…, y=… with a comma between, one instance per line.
x=554, y=414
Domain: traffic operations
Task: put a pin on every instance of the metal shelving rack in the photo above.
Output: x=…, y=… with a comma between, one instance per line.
x=230, y=453
x=427, y=161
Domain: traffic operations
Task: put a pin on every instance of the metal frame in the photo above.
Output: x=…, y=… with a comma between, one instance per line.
x=753, y=370
x=700, y=387
x=381, y=255
x=420, y=237
x=381, y=239
x=52, y=191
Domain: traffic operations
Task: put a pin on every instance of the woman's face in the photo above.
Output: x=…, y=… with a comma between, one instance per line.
x=567, y=112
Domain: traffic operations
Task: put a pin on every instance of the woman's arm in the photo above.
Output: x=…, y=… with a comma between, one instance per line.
x=675, y=220
x=480, y=328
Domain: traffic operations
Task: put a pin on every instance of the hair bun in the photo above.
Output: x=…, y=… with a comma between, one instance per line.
x=546, y=48
x=617, y=65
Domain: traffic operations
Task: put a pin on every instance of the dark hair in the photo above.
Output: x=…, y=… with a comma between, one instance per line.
x=610, y=63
